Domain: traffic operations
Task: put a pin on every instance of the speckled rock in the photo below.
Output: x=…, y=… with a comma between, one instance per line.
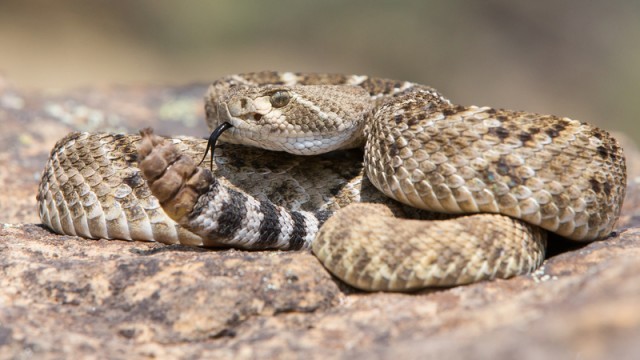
x=63, y=297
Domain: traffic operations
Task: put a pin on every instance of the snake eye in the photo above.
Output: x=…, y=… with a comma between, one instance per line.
x=280, y=98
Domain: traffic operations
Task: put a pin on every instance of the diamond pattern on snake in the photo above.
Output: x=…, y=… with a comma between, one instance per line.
x=392, y=186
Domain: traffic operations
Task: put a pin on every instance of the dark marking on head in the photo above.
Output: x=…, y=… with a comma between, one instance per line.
x=398, y=119
x=321, y=79
x=534, y=130
x=502, y=118
x=265, y=77
x=607, y=188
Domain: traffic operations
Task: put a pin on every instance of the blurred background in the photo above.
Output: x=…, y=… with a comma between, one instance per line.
x=573, y=58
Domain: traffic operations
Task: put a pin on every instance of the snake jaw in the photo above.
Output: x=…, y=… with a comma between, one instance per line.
x=267, y=132
x=287, y=118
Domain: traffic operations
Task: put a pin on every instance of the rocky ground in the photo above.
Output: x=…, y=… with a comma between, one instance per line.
x=66, y=297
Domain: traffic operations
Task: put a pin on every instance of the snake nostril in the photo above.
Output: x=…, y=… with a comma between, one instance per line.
x=257, y=117
x=243, y=102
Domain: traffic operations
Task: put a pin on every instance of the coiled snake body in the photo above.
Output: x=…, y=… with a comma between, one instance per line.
x=502, y=176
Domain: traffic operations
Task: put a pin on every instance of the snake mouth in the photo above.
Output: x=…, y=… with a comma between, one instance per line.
x=213, y=138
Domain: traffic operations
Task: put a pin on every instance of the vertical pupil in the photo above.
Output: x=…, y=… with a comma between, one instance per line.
x=280, y=99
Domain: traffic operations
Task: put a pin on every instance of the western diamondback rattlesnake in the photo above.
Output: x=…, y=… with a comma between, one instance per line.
x=511, y=173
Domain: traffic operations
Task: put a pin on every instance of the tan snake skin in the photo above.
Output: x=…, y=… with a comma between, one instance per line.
x=513, y=173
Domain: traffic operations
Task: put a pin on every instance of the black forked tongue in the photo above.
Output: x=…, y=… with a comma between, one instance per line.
x=213, y=138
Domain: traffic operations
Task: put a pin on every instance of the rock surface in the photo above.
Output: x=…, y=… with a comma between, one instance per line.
x=64, y=297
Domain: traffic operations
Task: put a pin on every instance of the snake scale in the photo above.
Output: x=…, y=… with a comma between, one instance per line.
x=398, y=189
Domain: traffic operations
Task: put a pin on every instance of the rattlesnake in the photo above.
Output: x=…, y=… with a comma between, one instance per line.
x=504, y=175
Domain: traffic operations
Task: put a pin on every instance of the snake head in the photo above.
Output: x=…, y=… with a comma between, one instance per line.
x=303, y=120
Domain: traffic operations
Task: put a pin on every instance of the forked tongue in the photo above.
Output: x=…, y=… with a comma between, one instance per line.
x=213, y=138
